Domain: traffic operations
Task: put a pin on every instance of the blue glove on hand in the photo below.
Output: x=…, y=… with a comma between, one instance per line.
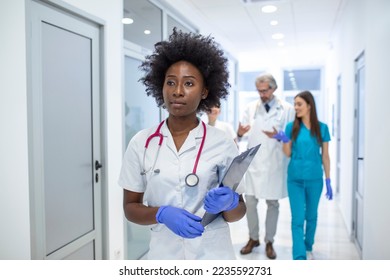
x=281, y=136
x=329, y=192
x=180, y=221
x=220, y=199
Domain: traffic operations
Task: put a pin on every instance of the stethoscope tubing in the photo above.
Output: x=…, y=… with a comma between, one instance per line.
x=157, y=133
x=200, y=149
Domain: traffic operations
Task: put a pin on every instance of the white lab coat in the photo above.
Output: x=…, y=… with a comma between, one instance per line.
x=168, y=188
x=227, y=128
x=267, y=175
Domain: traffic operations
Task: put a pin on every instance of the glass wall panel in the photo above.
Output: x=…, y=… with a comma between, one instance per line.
x=144, y=26
x=247, y=80
x=141, y=112
x=174, y=23
x=228, y=106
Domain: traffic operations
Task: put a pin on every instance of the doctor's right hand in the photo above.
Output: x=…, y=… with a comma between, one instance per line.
x=180, y=221
x=242, y=129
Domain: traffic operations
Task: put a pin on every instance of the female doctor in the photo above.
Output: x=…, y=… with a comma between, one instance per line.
x=306, y=142
x=170, y=172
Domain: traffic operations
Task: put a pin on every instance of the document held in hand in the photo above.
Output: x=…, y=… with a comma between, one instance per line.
x=233, y=176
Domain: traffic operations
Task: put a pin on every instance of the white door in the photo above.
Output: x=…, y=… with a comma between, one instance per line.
x=358, y=200
x=338, y=135
x=65, y=135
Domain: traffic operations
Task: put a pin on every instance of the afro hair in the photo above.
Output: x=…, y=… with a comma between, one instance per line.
x=202, y=52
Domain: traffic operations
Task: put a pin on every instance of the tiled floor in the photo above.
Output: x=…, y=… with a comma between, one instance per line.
x=332, y=240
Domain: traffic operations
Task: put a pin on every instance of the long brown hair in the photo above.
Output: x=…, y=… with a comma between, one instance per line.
x=314, y=123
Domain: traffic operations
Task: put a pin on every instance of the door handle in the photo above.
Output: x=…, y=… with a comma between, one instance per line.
x=98, y=165
x=360, y=158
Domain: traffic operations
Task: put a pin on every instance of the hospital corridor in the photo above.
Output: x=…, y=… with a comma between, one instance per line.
x=75, y=108
x=332, y=241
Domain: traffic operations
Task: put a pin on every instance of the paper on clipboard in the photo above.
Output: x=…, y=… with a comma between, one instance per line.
x=233, y=176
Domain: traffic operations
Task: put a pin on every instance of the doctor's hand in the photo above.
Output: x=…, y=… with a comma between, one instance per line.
x=281, y=136
x=180, y=221
x=271, y=134
x=242, y=129
x=329, y=192
x=220, y=199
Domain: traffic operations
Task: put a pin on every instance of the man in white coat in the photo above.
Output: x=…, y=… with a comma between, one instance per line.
x=267, y=175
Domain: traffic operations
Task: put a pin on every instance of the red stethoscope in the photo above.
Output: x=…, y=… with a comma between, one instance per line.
x=191, y=179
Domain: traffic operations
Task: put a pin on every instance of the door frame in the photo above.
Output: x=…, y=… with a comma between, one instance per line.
x=359, y=63
x=338, y=134
x=34, y=107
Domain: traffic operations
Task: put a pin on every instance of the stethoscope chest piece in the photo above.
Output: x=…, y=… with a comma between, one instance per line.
x=192, y=180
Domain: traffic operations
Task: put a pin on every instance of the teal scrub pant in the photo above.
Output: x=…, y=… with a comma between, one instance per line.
x=304, y=196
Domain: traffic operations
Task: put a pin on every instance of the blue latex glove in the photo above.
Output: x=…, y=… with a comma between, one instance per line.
x=329, y=192
x=281, y=136
x=220, y=199
x=180, y=221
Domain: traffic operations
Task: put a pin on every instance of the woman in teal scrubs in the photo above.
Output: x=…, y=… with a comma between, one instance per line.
x=308, y=150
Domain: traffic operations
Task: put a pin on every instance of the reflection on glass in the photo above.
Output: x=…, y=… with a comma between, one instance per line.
x=247, y=80
x=145, y=16
x=141, y=112
x=174, y=23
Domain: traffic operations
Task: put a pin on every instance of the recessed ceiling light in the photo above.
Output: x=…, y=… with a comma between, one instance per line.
x=147, y=31
x=269, y=9
x=277, y=36
x=127, y=20
x=273, y=22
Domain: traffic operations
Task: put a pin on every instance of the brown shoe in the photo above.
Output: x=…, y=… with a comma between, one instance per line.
x=249, y=246
x=269, y=251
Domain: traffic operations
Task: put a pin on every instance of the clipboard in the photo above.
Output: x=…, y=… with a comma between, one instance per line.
x=233, y=176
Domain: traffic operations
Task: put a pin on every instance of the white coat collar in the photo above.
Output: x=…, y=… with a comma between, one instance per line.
x=189, y=143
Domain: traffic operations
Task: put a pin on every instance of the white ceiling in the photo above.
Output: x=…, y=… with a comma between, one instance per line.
x=308, y=25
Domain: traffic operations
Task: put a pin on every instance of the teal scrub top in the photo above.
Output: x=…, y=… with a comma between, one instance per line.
x=306, y=159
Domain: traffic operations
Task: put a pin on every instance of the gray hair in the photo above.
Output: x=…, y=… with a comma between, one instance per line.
x=267, y=78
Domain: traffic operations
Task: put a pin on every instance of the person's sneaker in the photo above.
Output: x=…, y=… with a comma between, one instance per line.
x=309, y=255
